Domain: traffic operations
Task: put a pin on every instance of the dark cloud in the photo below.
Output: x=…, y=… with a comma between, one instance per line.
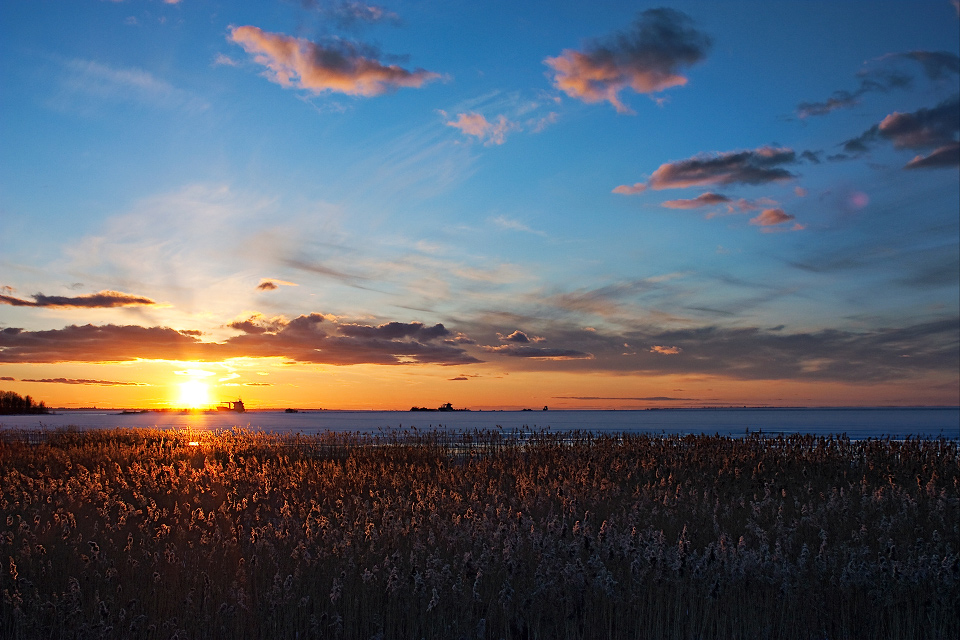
x=7, y=379
x=394, y=331
x=872, y=82
x=517, y=337
x=100, y=383
x=107, y=343
x=936, y=65
x=945, y=156
x=267, y=285
x=646, y=59
x=459, y=378
x=103, y=299
x=883, y=354
x=647, y=399
x=546, y=353
x=307, y=338
x=934, y=128
x=812, y=156
x=756, y=166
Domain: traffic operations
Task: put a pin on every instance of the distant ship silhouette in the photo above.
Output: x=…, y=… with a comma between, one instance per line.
x=231, y=406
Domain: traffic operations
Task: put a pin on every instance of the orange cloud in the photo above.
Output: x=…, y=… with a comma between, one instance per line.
x=769, y=217
x=475, y=124
x=645, y=59
x=667, y=351
x=630, y=190
x=299, y=63
x=703, y=200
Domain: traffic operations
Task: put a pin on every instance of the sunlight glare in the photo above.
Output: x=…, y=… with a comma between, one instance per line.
x=194, y=394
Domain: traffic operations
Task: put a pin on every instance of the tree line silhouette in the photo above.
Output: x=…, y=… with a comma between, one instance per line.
x=11, y=403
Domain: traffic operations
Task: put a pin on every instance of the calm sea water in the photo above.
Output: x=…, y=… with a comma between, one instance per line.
x=856, y=423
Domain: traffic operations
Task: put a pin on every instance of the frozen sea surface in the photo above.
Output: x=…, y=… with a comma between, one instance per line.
x=857, y=423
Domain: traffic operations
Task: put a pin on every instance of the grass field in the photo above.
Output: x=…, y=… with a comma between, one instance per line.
x=161, y=534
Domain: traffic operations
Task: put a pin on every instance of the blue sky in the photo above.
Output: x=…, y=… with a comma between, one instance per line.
x=603, y=204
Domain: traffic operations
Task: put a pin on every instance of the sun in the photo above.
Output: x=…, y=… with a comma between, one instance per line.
x=194, y=394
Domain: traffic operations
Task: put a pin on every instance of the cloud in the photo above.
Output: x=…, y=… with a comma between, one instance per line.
x=307, y=338
x=630, y=190
x=704, y=200
x=666, y=351
x=770, y=217
x=518, y=337
x=89, y=343
x=646, y=59
x=86, y=77
x=225, y=61
x=7, y=379
x=934, y=128
x=339, y=67
x=101, y=300
x=753, y=353
x=514, y=225
x=936, y=65
x=945, y=156
x=475, y=124
x=349, y=14
x=271, y=284
x=646, y=399
x=100, y=383
x=756, y=166
x=523, y=351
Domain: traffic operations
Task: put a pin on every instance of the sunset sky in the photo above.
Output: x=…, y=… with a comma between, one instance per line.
x=495, y=204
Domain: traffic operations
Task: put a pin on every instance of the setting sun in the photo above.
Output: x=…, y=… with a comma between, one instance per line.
x=194, y=394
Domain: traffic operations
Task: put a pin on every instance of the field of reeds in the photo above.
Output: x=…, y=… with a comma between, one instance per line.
x=235, y=535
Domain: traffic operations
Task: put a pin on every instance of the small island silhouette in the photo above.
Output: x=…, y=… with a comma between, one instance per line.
x=444, y=407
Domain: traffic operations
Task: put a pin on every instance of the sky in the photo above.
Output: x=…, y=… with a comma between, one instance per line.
x=346, y=205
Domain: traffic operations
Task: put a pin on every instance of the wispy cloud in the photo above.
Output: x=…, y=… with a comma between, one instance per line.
x=104, y=82
x=339, y=66
x=646, y=59
x=99, y=383
x=347, y=14
x=883, y=76
x=509, y=224
x=103, y=300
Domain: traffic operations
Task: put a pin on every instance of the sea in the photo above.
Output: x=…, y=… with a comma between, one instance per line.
x=856, y=423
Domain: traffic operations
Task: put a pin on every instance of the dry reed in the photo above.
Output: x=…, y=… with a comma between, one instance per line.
x=139, y=534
